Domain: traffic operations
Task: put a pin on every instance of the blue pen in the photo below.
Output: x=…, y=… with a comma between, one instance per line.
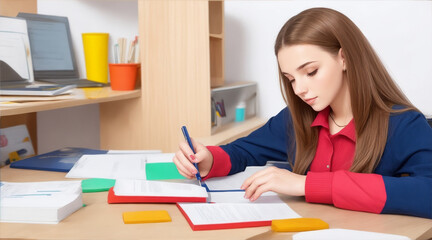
x=187, y=138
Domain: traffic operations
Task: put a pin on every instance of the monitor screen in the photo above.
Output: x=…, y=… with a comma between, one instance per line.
x=49, y=44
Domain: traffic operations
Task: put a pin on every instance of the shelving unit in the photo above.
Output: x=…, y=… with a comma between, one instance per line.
x=182, y=57
x=11, y=8
x=230, y=95
x=216, y=33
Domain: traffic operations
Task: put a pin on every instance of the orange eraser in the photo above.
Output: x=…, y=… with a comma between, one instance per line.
x=298, y=225
x=146, y=217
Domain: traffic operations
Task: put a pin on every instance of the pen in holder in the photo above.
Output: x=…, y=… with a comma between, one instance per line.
x=218, y=112
x=123, y=76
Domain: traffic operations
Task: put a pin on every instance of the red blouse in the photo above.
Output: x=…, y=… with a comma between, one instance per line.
x=329, y=180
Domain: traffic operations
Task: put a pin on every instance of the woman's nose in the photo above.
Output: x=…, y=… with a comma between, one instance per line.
x=299, y=87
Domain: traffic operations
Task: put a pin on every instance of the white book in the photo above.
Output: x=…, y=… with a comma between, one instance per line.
x=130, y=187
x=342, y=234
x=211, y=216
x=39, y=202
x=140, y=191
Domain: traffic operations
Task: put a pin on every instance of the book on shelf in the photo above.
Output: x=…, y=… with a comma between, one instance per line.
x=37, y=90
x=15, y=144
x=39, y=202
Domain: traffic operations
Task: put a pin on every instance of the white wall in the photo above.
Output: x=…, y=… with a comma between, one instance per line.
x=79, y=126
x=400, y=32
x=119, y=18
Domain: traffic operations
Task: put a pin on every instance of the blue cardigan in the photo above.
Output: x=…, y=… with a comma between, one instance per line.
x=408, y=151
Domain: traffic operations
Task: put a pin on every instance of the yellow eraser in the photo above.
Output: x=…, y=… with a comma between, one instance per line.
x=298, y=225
x=146, y=217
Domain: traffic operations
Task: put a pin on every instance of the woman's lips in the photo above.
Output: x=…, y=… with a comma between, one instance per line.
x=310, y=101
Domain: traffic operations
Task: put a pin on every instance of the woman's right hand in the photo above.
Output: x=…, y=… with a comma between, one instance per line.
x=184, y=159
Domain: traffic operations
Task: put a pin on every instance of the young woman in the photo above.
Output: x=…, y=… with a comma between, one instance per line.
x=353, y=139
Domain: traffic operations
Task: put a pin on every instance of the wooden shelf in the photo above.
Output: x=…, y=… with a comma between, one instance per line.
x=218, y=36
x=84, y=97
x=230, y=85
x=217, y=77
x=216, y=17
x=232, y=131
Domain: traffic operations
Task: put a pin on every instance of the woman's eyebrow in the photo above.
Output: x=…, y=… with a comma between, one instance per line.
x=304, y=65
x=300, y=67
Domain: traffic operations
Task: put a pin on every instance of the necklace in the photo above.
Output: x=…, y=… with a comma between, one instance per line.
x=341, y=126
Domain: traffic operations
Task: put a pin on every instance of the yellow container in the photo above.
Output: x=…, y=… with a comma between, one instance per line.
x=96, y=56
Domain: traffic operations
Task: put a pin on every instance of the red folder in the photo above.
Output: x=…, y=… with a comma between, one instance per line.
x=222, y=225
x=112, y=198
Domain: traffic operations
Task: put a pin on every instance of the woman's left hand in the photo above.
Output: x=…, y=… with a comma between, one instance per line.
x=276, y=180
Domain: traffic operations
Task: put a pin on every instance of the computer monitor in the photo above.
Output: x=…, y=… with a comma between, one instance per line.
x=52, y=51
x=51, y=46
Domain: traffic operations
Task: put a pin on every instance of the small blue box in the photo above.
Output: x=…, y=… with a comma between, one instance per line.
x=240, y=112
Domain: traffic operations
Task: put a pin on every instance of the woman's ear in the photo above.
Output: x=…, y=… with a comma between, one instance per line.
x=341, y=56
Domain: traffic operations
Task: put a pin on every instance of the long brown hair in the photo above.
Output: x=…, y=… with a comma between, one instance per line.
x=373, y=92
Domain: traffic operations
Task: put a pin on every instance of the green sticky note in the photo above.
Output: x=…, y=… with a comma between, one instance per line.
x=162, y=171
x=97, y=185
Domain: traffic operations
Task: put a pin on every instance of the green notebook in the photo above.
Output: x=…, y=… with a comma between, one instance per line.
x=162, y=171
x=96, y=185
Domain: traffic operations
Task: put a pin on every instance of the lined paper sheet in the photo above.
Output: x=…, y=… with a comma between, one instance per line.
x=232, y=182
x=133, y=151
x=238, y=197
x=128, y=187
x=111, y=166
x=220, y=213
x=116, y=165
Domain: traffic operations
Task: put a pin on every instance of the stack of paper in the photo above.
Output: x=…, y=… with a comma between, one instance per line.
x=39, y=202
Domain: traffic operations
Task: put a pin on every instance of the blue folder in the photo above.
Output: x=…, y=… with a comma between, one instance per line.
x=61, y=160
